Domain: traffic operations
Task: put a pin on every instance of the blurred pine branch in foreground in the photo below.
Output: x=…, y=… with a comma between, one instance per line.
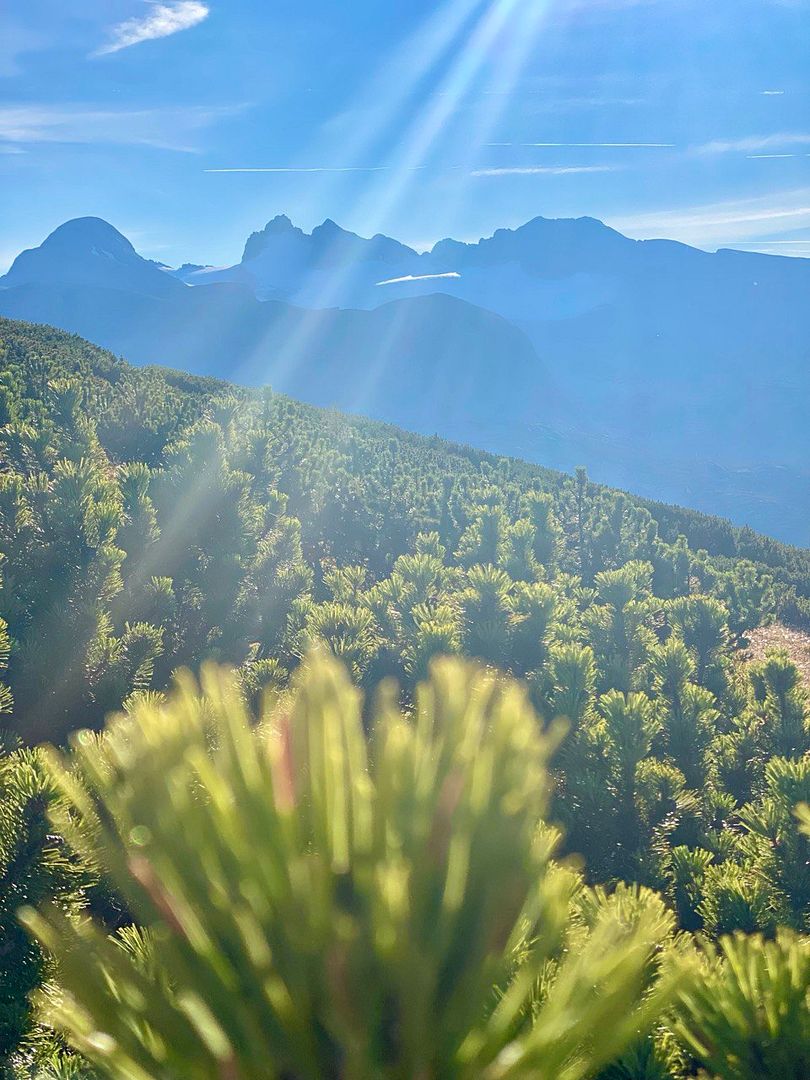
x=321, y=901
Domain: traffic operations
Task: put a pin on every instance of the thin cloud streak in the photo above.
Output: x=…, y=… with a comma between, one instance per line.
x=162, y=21
x=315, y=169
x=545, y=170
x=752, y=144
x=604, y=145
x=785, y=249
x=164, y=129
x=721, y=223
x=585, y=145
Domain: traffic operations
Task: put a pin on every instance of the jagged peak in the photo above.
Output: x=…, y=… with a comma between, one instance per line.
x=329, y=229
x=280, y=225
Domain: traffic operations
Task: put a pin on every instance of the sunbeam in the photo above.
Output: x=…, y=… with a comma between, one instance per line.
x=500, y=41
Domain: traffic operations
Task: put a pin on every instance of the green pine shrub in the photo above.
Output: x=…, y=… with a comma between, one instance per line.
x=321, y=903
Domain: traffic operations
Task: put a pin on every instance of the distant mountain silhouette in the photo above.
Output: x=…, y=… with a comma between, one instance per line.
x=427, y=362
x=677, y=373
x=89, y=251
x=282, y=261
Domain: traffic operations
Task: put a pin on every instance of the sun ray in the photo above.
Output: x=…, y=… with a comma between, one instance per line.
x=505, y=27
x=459, y=46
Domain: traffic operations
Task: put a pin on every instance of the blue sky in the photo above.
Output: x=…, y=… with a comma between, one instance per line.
x=418, y=118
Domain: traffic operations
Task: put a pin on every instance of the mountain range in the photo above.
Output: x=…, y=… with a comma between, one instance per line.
x=674, y=372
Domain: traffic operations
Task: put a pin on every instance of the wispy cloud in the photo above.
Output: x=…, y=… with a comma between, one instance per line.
x=170, y=128
x=723, y=223
x=772, y=243
x=584, y=145
x=161, y=20
x=772, y=93
x=311, y=169
x=604, y=145
x=545, y=170
x=753, y=144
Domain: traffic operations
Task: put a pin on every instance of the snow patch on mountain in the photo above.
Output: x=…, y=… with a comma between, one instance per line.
x=419, y=277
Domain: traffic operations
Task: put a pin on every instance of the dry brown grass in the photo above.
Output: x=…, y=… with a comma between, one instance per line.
x=795, y=643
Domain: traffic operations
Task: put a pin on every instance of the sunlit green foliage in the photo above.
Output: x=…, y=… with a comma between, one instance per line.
x=322, y=904
x=747, y=1017
x=151, y=520
x=35, y=868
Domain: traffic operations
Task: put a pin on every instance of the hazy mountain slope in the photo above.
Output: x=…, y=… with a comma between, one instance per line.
x=674, y=372
x=684, y=340
x=432, y=363
x=668, y=369
x=184, y=398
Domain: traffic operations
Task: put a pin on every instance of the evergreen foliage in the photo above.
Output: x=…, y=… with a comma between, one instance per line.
x=35, y=868
x=320, y=903
x=152, y=521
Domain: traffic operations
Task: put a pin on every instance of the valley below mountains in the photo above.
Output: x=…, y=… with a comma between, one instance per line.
x=669, y=371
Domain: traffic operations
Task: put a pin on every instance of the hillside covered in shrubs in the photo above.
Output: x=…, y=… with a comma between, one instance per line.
x=255, y=849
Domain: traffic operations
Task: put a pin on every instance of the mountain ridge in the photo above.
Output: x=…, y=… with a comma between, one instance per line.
x=89, y=251
x=666, y=369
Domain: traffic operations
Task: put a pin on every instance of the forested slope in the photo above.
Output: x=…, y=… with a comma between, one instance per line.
x=165, y=518
x=151, y=520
